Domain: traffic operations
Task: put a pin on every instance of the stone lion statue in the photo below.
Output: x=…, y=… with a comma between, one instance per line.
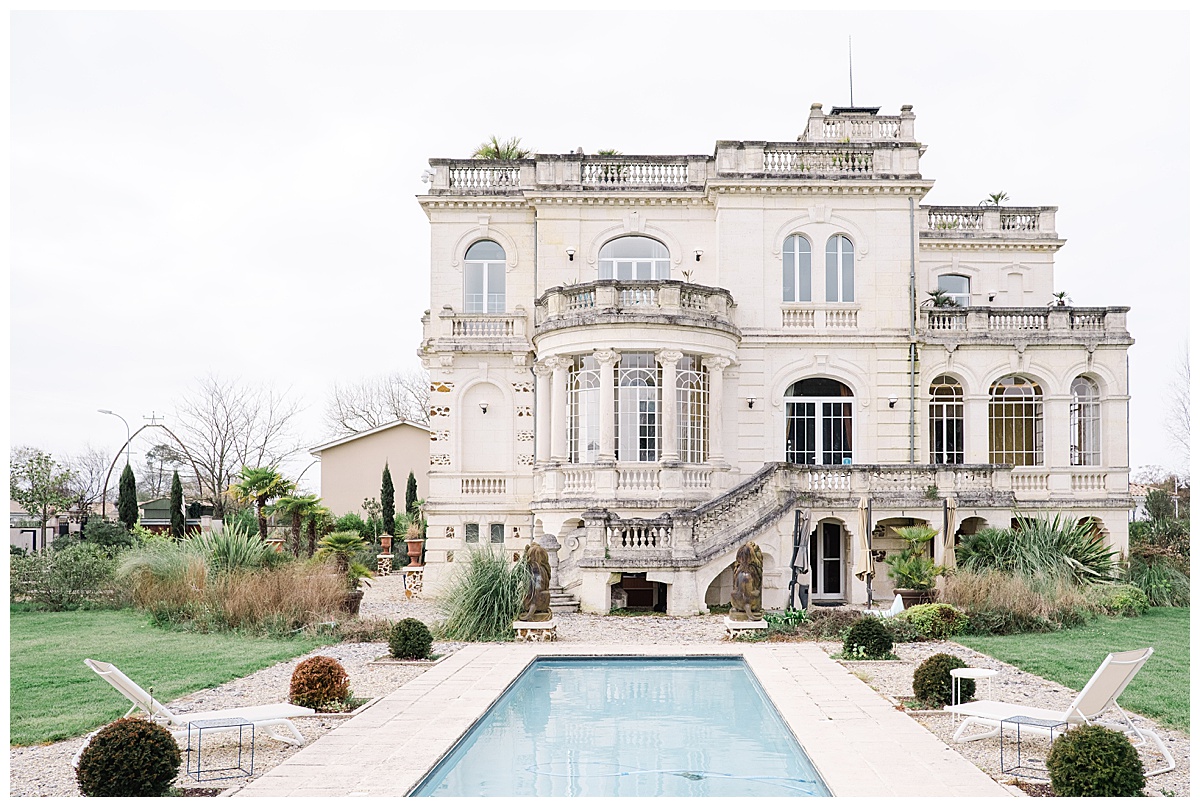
x=536, y=607
x=747, y=585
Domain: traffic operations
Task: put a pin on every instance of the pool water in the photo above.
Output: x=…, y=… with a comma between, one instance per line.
x=628, y=727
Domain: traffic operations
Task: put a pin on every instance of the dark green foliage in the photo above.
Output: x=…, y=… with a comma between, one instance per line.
x=353, y=522
x=1041, y=547
x=243, y=519
x=1095, y=761
x=932, y=683
x=902, y=631
x=868, y=638
x=127, y=508
x=1161, y=574
x=178, y=524
x=102, y=532
x=410, y=494
x=78, y=575
x=1168, y=534
x=410, y=639
x=387, y=498
x=131, y=757
x=936, y=620
x=1159, y=505
x=1120, y=600
x=318, y=682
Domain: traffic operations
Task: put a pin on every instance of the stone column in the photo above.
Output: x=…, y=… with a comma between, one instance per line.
x=558, y=407
x=716, y=406
x=542, y=438
x=607, y=360
x=976, y=427
x=669, y=359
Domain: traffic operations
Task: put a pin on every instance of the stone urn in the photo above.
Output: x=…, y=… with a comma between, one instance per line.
x=415, y=545
x=353, y=601
x=385, y=541
x=917, y=596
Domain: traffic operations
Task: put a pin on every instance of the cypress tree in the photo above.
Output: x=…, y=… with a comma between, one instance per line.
x=410, y=494
x=127, y=509
x=178, y=525
x=387, y=498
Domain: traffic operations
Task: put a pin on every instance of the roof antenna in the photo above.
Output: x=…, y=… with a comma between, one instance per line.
x=850, y=47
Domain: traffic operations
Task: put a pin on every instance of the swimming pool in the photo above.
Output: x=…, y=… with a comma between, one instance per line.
x=644, y=726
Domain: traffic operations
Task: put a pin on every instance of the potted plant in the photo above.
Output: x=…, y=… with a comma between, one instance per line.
x=415, y=542
x=342, y=547
x=913, y=571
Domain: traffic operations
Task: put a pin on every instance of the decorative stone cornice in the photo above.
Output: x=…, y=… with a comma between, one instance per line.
x=979, y=245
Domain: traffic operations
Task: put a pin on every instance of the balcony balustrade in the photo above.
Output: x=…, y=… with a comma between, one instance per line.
x=959, y=222
x=1053, y=322
x=455, y=330
x=606, y=301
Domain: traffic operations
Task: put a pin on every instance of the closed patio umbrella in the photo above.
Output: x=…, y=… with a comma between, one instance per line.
x=948, y=559
x=864, y=568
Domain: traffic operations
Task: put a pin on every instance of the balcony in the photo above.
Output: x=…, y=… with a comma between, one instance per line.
x=454, y=330
x=944, y=223
x=1050, y=325
x=568, y=172
x=664, y=302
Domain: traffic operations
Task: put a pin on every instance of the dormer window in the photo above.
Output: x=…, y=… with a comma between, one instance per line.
x=635, y=257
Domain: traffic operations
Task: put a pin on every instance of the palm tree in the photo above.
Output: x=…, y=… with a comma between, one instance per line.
x=940, y=299
x=496, y=149
x=320, y=519
x=257, y=485
x=994, y=199
x=342, y=546
x=297, y=508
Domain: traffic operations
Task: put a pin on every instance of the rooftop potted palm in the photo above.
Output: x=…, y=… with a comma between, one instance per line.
x=341, y=547
x=913, y=571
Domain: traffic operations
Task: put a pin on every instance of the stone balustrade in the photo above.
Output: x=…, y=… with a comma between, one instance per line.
x=633, y=300
x=456, y=330
x=988, y=221
x=1049, y=321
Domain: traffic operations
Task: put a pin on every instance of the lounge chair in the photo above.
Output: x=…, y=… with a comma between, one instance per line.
x=1097, y=697
x=897, y=607
x=273, y=718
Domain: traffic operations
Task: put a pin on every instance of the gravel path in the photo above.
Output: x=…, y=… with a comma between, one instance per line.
x=46, y=770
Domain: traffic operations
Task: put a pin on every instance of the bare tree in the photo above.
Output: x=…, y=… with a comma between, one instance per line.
x=226, y=425
x=1179, y=406
x=88, y=470
x=372, y=402
x=160, y=463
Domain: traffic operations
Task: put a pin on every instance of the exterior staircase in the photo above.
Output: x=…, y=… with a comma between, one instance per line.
x=563, y=603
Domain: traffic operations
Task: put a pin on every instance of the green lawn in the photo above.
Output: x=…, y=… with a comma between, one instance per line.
x=54, y=696
x=1070, y=657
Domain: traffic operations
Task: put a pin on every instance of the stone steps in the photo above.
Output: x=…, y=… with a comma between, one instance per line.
x=562, y=602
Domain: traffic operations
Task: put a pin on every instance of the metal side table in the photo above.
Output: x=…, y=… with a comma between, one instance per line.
x=1043, y=726
x=196, y=729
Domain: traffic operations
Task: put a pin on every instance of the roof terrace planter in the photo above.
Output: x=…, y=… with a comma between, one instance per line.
x=1033, y=325
x=648, y=302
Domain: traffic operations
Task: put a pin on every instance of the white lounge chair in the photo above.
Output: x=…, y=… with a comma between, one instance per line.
x=1097, y=697
x=272, y=718
x=897, y=607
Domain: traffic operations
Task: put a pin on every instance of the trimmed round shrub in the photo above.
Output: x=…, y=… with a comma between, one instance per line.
x=410, y=639
x=902, y=631
x=319, y=681
x=932, y=682
x=868, y=638
x=131, y=757
x=1120, y=600
x=1095, y=761
x=935, y=620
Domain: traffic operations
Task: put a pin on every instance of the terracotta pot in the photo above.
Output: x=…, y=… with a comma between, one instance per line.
x=913, y=596
x=353, y=601
x=414, y=550
x=385, y=541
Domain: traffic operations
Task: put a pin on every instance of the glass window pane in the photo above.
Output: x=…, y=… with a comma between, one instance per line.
x=847, y=272
x=485, y=251
x=495, y=288
x=831, y=272
x=804, y=259
x=472, y=533
x=473, y=299
x=624, y=270
x=497, y=531
x=789, y=275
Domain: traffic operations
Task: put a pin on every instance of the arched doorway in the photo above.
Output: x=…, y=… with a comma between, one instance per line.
x=819, y=426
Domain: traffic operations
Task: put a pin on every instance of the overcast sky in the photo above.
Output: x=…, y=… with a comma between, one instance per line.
x=234, y=192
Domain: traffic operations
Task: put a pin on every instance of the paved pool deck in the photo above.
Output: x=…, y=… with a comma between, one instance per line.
x=859, y=742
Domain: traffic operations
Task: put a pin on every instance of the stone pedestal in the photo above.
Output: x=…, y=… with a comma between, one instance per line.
x=383, y=565
x=734, y=628
x=536, y=631
x=413, y=580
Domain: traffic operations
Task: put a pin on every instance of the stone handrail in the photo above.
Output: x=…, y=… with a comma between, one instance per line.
x=506, y=331
x=947, y=221
x=562, y=306
x=1047, y=320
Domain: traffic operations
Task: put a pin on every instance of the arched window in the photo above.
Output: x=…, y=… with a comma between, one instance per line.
x=483, y=278
x=583, y=409
x=946, y=421
x=634, y=257
x=638, y=382
x=691, y=387
x=1085, y=422
x=820, y=422
x=956, y=287
x=1015, y=422
x=839, y=270
x=797, y=270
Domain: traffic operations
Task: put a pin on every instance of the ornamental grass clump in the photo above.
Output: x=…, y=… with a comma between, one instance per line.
x=932, y=683
x=1095, y=761
x=868, y=638
x=319, y=682
x=129, y=758
x=410, y=639
x=1001, y=603
x=1041, y=547
x=484, y=598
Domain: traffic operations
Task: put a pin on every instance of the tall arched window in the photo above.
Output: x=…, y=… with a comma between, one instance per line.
x=583, y=409
x=638, y=382
x=1015, y=421
x=691, y=387
x=956, y=287
x=946, y=421
x=839, y=270
x=634, y=257
x=1085, y=422
x=820, y=422
x=483, y=278
x=797, y=270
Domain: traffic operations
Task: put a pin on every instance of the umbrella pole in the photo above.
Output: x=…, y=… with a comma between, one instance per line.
x=871, y=558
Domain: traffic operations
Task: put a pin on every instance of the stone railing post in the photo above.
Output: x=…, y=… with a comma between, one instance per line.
x=816, y=124
x=907, y=123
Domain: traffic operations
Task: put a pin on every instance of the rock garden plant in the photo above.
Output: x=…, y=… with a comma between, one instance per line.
x=319, y=682
x=1095, y=761
x=932, y=684
x=410, y=639
x=129, y=758
x=868, y=638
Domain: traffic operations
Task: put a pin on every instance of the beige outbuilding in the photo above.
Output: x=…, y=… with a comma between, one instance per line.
x=352, y=467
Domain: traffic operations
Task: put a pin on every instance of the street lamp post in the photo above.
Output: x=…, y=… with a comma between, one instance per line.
x=128, y=438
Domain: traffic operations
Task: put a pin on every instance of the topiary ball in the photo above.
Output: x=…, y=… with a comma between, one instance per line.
x=869, y=634
x=935, y=620
x=131, y=757
x=1095, y=761
x=932, y=682
x=410, y=639
x=318, y=682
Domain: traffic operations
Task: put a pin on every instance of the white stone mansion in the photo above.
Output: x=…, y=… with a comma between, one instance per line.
x=644, y=362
